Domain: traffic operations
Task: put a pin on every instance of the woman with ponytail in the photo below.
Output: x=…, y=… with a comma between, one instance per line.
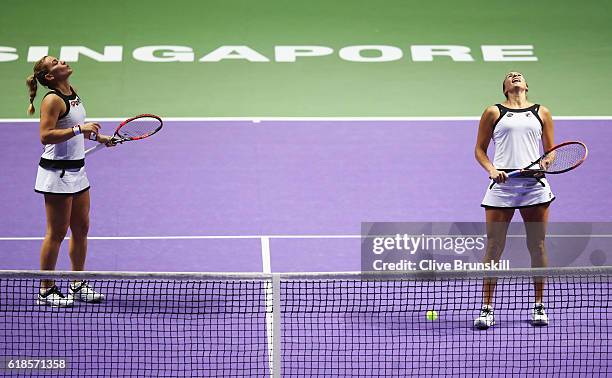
x=61, y=176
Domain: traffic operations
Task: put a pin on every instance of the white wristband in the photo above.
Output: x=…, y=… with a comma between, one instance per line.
x=76, y=130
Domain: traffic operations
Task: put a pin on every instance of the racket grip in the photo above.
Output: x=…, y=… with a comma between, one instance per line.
x=94, y=149
x=515, y=173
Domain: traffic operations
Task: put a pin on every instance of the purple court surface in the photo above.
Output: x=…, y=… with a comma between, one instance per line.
x=309, y=178
x=290, y=196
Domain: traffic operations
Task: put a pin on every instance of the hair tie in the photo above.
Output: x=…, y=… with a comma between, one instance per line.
x=40, y=76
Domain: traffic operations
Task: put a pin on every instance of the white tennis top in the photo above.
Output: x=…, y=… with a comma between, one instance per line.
x=73, y=148
x=517, y=136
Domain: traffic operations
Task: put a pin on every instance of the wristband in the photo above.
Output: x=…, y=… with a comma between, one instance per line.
x=76, y=130
x=93, y=136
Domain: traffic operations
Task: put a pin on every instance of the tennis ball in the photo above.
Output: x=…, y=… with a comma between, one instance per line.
x=432, y=315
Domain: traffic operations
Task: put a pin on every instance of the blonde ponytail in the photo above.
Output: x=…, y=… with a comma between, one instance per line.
x=32, y=82
x=32, y=86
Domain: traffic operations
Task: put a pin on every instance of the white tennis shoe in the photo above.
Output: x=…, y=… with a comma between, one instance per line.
x=538, y=315
x=53, y=297
x=81, y=291
x=486, y=318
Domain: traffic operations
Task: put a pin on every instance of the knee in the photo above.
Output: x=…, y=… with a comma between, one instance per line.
x=495, y=245
x=536, y=245
x=56, y=234
x=80, y=229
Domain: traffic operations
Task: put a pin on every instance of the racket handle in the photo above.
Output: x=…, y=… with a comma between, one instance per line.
x=94, y=149
x=515, y=173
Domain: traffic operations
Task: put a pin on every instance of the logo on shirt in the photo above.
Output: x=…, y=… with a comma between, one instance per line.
x=510, y=114
x=528, y=114
x=75, y=102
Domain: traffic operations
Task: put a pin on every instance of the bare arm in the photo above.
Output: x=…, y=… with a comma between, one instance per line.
x=548, y=129
x=548, y=136
x=50, y=110
x=485, y=133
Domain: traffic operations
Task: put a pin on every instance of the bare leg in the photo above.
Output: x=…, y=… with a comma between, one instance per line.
x=536, y=219
x=58, y=209
x=79, y=227
x=498, y=221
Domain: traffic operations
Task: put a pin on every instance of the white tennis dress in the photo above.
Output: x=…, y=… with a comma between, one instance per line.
x=61, y=169
x=517, y=136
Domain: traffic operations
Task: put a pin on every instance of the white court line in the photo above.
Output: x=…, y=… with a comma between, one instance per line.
x=269, y=299
x=268, y=237
x=265, y=255
x=310, y=119
x=192, y=237
x=259, y=119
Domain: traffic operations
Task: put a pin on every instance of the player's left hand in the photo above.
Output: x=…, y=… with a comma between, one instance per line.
x=545, y=163
x=106, y=139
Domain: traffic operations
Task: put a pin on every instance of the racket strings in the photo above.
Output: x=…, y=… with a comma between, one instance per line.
x=565, y=157
x=139, y=128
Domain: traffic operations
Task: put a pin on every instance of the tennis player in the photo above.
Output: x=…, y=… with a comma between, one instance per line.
x=61, y=176
x=517, y=127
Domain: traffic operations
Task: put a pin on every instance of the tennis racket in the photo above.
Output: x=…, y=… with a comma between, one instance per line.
x=135, y=128
x=561, y=158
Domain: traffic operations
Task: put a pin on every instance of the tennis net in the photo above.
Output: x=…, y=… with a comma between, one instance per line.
x=307, y=325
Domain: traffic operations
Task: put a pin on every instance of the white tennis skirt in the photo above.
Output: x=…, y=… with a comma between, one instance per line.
x=518, y=192
x=53, y=181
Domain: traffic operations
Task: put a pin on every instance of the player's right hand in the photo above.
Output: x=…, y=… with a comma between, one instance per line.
x=90, y=127
x=498, y=176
